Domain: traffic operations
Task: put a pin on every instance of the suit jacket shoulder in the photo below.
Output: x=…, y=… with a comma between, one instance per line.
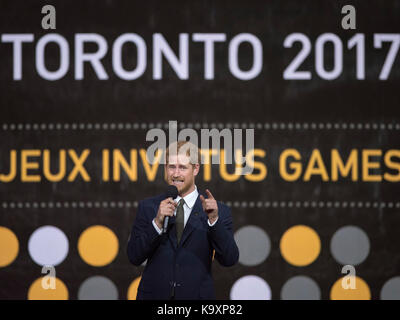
x=151, y=201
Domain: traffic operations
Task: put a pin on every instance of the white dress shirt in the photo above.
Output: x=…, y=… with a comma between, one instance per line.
x=190, y=200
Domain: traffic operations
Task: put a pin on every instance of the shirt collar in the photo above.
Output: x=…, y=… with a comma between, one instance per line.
x=190, y=198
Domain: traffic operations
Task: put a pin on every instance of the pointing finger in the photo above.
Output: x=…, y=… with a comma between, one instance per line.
x=209, y=194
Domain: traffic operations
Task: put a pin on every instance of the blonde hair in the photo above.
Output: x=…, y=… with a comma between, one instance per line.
x=183, y=147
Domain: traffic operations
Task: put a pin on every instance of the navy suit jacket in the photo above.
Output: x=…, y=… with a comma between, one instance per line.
x=181, y=270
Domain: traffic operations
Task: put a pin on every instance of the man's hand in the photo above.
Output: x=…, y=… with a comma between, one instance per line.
x=166, y=208
x=210, y=206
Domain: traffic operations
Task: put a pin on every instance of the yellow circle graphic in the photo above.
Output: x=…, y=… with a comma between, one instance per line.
x=132, y=290
x=9, y=246
x=98, y=246
x=48, y=288
x=352, y=288
x=300, y=245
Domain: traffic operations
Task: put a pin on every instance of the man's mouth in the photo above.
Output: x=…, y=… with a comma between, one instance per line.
x=177, y=182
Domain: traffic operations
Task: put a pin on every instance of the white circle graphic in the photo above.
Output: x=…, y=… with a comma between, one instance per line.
x=48, y=245
x=250, y=288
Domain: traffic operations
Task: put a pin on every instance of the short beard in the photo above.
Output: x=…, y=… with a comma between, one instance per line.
x=185, y=189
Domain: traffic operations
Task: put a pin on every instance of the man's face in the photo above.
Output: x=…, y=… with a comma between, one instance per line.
x=181, y=173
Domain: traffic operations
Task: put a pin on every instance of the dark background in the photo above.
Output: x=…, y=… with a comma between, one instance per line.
x=266, y=99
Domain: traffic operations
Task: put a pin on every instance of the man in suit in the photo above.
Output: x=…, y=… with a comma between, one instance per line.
x=179, y=261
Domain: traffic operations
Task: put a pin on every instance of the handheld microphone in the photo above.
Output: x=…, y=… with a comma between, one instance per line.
x=171, y=192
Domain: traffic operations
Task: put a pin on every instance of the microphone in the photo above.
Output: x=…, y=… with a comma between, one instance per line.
x=171, y=192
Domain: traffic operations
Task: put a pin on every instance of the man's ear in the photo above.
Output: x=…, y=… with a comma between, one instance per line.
x=196, y=169
x=165, y=172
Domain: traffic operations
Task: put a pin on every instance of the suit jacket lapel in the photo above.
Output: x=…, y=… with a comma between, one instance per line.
x=194, y=221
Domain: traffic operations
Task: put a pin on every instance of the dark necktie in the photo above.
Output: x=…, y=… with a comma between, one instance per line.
x=180, y=220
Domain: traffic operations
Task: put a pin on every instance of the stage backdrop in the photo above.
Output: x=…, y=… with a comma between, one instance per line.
x=83, y=82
